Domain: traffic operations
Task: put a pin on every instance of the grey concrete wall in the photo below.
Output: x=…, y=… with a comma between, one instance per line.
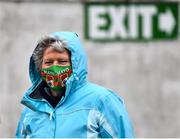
x=146, y=75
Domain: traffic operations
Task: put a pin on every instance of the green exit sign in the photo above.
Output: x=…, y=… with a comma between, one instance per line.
x=112, y=21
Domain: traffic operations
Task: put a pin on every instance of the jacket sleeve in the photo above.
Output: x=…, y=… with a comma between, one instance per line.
x=20, y=128
x=114, y=122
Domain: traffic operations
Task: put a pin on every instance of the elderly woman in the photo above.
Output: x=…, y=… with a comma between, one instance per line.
x=61, y=102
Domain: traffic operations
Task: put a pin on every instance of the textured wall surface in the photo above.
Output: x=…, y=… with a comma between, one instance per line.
x=146, y=75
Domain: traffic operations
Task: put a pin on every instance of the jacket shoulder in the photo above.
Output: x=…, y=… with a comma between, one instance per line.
x=100, y=93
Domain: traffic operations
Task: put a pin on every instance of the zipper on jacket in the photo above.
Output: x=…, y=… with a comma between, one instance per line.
x=54, y=123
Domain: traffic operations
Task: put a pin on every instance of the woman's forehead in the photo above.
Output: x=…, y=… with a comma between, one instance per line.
x=51, y=52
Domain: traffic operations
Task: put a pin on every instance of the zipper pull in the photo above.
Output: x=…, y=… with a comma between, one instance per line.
x=51, y=115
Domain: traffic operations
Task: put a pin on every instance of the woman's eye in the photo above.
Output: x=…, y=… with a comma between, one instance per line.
x=48, y=62
x=62, y=62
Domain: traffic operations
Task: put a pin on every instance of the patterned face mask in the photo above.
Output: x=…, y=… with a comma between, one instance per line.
x=56, y=76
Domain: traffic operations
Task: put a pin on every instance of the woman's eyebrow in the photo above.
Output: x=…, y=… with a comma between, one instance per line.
x=48, y=59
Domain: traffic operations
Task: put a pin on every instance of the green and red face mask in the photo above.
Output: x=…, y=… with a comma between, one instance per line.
x=56, y=76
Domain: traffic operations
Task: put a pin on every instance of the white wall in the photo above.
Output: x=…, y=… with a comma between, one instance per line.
x=146, y=75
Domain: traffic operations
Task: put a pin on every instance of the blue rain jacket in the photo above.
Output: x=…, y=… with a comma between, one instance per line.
x=87, y=110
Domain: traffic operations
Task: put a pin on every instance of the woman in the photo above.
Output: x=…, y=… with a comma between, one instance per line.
x=61, y=102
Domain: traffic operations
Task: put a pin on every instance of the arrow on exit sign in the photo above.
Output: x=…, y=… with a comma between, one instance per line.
x=167, y=22
x=112, y=21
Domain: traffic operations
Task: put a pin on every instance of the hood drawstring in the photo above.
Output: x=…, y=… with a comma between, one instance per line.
x=76, y=77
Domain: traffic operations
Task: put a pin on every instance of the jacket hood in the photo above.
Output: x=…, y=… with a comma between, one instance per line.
x=78, y=63
x=78, y=57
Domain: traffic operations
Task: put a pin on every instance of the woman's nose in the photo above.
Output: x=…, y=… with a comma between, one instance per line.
x=55, y=63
